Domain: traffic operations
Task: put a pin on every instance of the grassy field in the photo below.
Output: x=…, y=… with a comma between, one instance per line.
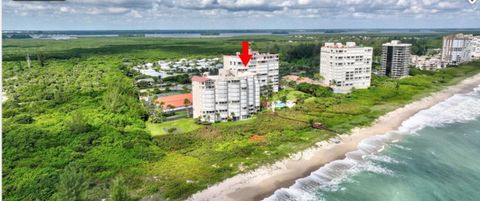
x=76, y=104
x=180, y=125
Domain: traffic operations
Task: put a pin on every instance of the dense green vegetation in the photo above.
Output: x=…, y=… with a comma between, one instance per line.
x=73, y=118
x=298, y=54
x=70, y=111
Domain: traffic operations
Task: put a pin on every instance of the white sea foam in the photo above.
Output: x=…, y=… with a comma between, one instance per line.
x=458, y=108
x=382, y=158
x=401, y=147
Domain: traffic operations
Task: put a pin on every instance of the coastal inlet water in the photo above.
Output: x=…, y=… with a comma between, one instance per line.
x=434, y=156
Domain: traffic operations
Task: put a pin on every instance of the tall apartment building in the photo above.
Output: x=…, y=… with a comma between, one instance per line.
x=265, y=65
x=473, y=48
x=395, y=59
x=231, y=94
x=455, y=49
x=344, y=67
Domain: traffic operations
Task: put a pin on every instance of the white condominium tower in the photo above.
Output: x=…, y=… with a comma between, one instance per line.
x=395, y=59
x=344, y=67
x=230, y=95
x=265, y=65
x=456, y=48
x=473, y=48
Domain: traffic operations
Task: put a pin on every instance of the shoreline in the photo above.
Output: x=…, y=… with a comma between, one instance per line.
x=265, y=180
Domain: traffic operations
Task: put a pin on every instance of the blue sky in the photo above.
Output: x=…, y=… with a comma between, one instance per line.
x=239, y=14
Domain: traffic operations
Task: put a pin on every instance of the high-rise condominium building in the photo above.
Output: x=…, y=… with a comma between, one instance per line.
x=456, y=48
x=344, y=67
x=265, y=65
x=395, y=59
x=473, y=48
x=232, y=94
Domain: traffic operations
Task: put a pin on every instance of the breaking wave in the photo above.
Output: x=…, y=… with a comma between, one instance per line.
x=367, y=158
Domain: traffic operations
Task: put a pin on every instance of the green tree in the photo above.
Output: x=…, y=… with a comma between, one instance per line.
x=73, y=184
x=119, y=190
x=317, y=76
x=158, y=114
x=186, y=103
x=119, y=95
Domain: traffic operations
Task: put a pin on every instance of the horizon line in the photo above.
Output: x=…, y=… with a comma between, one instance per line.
x=273, y=29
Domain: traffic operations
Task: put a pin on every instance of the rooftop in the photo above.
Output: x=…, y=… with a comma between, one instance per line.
x=199, y=79
x=340, y=45
x=175, y=100
x=396, y=43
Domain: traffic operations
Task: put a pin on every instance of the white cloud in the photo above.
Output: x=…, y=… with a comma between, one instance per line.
x=135, y=14
x=228, y=9
x=192, y=7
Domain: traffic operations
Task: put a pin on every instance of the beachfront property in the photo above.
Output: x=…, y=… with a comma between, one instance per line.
x=460, y=48
x=233, y=94
x=264, y=65
x=431, y=63
x=473, y=48
x=345, y=67
x=395, y=59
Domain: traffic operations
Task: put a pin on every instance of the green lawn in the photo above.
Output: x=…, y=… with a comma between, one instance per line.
x=182, y=126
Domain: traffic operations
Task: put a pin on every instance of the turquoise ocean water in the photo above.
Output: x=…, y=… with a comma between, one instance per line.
x=433, y=156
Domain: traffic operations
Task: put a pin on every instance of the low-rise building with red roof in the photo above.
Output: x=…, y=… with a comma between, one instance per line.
x=175, y=102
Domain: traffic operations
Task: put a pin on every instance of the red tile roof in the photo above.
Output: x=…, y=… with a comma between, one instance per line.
x=175, y=100
x=199, y=79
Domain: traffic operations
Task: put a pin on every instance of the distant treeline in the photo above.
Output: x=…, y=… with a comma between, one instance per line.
x=16, y=36
x=273, y=31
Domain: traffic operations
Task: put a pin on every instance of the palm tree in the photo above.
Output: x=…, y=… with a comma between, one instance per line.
x=186, y=103
x=161, y=104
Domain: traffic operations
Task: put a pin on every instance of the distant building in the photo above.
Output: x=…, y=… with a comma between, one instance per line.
x=147, y=99
x=431, y=63
x=298, y=80
x=265, y=65
x=174, y=102
x=149, y=81
x=395, y=59
x=344, y=67
x=233, y=94
x=455, y=49
x=473, y=48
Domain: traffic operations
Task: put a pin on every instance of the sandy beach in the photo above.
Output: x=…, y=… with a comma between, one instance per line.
x=263, y=181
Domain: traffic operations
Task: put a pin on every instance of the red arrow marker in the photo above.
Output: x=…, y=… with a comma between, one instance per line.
x=245, y=56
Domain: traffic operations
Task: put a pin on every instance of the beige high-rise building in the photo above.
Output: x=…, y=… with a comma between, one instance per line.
x=395, y=59
x=473, y=48
x=265, y=65
x=232, y=94
x=344, y=67
x=455, y=49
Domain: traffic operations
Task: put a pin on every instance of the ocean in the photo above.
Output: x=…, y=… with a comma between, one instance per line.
x=433, y=156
